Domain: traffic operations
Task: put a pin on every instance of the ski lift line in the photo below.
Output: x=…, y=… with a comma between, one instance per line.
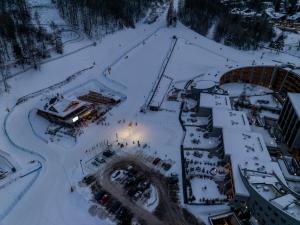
x=160, y=75
x=166, y=93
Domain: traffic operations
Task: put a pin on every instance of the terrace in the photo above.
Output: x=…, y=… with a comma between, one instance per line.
x=205, y=178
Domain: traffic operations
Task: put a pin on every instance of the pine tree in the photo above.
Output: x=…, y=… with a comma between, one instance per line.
x=277, y=4
x=170, y=14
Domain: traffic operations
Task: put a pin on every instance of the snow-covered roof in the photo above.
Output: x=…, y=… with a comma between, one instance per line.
x=273, y=191
x=244, y=12
x=284, y=201
x=289, y=204
x=214, y=101
x=247, y=150
x=62, y=106
x=272, y=14
x=223, y=118
x=295, y=100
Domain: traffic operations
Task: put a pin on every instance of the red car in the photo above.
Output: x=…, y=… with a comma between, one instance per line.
x=104, y=199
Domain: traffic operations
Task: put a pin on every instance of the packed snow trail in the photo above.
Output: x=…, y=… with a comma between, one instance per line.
x=41, y=158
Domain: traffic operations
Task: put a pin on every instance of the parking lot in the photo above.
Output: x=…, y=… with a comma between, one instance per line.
x=149, y=197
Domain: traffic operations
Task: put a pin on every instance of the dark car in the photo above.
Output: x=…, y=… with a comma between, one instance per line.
x=108, y=153
x=99, y=195
x=156, y=161
x=115, y=206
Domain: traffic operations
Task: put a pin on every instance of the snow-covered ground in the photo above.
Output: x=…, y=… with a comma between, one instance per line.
x=202, y=188
x=49, y=201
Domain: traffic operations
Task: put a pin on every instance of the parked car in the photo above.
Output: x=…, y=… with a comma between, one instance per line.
x=95, y=164
x=156, y=161
x=104, y=199
x=100, y=160
x=108, y=153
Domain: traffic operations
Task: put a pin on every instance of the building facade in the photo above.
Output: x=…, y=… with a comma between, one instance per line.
x=271, y=202
x=275, y=78
x=289, y=123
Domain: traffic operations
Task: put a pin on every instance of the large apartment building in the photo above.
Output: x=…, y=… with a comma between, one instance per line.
x=289, y=122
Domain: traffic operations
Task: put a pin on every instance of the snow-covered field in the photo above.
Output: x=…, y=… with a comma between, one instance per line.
x=48, y=200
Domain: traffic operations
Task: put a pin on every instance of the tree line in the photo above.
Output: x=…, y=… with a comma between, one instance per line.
x=99, y=17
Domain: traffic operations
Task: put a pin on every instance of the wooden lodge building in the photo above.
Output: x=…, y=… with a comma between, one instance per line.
x=71, y=112
x=66, y=112
x=97, y=98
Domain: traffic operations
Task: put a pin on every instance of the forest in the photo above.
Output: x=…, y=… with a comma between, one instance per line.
x=234, y=30
x=99, y=17
x=23, y=39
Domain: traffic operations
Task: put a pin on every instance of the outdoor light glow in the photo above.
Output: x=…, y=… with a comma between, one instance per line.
x=131, y=134
x=75, y=119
